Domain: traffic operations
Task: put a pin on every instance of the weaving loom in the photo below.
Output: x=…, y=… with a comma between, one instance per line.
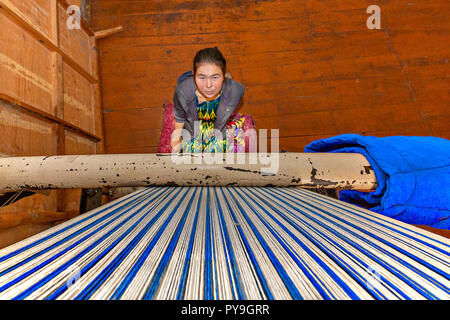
x=227, y=243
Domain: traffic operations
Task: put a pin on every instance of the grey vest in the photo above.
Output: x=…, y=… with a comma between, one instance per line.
x=185, y=108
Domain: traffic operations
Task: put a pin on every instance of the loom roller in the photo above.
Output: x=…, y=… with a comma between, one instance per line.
x=231, y=228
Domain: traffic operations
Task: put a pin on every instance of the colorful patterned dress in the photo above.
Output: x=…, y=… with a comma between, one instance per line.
x=204, y=140
x=238, y=132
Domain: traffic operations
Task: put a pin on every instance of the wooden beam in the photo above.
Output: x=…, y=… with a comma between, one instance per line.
x=308, y=170
x=58, y=101
x=97, y=99
x=60, y=130
x=54, y=15
x=108, y=32
x=58, y=89
x=98, y=117
x=37, y=112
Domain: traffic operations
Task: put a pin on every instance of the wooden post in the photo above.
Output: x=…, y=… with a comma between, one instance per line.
x=54, y=30
x=97, y=97
x=58, y=109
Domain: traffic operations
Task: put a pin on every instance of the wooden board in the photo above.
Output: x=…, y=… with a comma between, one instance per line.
x=74, y=42
x=25, y=66
x=23, y=134
x=78, y=99
x=20, y=232
x=18, y=212
x=37, y=13
x=76, y=144
x=142, y=129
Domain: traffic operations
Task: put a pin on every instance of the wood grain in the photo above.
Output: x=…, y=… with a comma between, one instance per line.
x=49, y=102
x=311, y=69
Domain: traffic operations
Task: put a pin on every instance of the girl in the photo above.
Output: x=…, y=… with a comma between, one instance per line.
x=203, y=103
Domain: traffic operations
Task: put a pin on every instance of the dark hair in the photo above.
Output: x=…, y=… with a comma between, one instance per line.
x=210, y=55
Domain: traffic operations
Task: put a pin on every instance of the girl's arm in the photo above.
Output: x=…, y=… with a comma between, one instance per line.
x=180, y=118
x=176, y=136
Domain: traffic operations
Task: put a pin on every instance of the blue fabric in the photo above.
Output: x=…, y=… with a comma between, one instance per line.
x=413, y=175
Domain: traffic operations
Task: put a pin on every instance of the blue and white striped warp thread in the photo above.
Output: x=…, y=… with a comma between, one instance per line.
x=227, y=243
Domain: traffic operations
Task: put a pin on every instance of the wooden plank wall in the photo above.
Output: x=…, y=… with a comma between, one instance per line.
x=49, y=103
x=310, y=67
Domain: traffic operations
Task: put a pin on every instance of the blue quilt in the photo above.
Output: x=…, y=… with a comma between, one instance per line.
x=413, y=175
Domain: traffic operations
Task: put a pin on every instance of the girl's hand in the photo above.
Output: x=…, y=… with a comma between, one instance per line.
x=176, y=146
x=176, y=136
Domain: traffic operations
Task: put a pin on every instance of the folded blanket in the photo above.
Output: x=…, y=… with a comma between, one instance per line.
x=413, y=175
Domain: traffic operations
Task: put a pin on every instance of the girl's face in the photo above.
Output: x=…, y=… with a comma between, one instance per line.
x=209, y=79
